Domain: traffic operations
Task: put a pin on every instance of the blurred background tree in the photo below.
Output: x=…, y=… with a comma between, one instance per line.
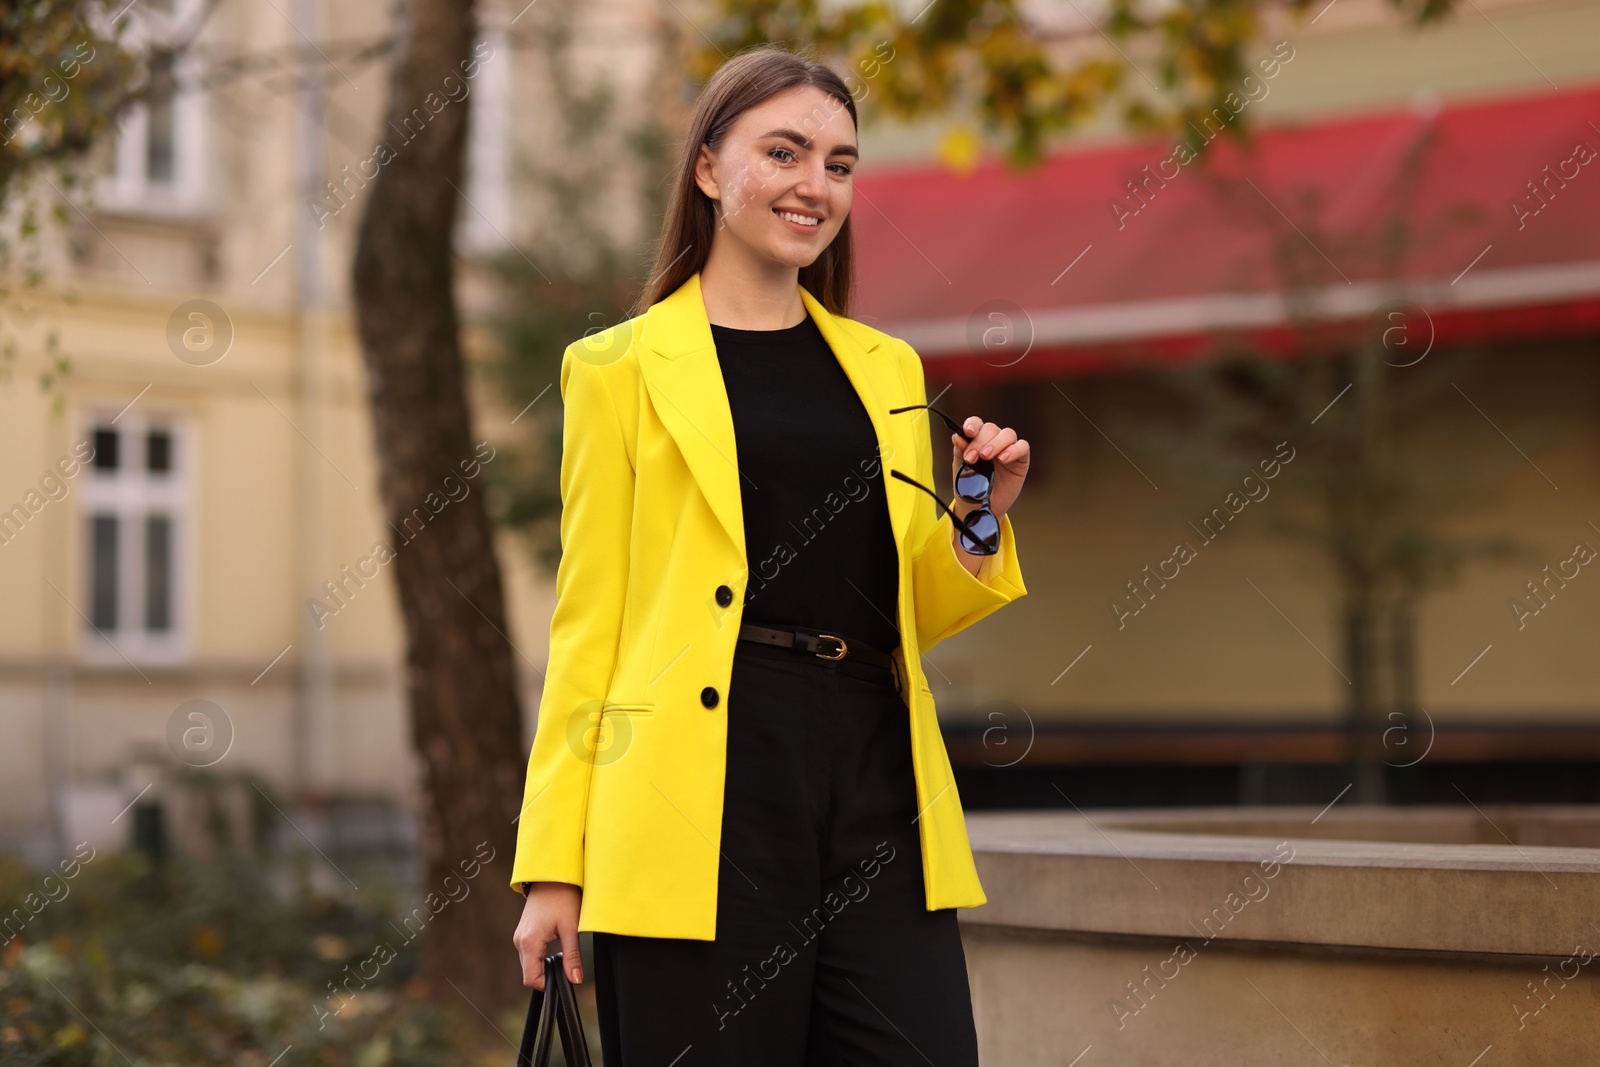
x=461, y=686
x=1381, y=517
x=65, y=80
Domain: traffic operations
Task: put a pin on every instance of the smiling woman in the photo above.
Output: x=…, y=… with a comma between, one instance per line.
x=783, y=171
x=773, y=151
x=840, y=162
x=788, y=737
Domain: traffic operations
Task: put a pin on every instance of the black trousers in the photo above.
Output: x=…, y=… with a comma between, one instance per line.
x=825, y=952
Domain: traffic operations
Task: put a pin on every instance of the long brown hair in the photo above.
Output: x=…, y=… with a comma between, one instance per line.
x=741, y=83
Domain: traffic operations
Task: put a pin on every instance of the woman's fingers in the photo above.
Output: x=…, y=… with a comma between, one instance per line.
x=530, y=940
x=551, y=911
x=1016, y=450
x=534, y=931
x=571, y=954
x=986, y=439
x=991, y=446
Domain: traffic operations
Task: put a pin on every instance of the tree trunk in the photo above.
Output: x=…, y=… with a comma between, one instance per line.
x=1364, y=708
x=1406, y=741
x=466, y=721
x=1358, y=513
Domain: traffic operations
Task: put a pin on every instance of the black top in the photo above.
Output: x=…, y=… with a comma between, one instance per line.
x=818, y=541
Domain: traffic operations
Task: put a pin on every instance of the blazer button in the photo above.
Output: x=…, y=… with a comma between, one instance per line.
x=708, y=696
x=724, y=595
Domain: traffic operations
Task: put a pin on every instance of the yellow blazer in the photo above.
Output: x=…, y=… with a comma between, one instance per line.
x=625, y=780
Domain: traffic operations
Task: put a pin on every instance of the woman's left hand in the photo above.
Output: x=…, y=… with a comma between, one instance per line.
x=1009, y=452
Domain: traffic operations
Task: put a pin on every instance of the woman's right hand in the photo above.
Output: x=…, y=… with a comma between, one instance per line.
x=551, y=912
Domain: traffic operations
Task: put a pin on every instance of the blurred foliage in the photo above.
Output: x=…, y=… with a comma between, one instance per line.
x=65, y=79
x=189, y=962
x=1151, y=66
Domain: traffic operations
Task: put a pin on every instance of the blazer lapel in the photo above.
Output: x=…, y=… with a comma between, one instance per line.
x=678, y=362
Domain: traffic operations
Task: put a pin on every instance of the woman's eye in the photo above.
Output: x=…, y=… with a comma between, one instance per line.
x=786, y=155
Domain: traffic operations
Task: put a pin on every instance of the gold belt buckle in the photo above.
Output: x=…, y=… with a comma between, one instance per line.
x=843, y=648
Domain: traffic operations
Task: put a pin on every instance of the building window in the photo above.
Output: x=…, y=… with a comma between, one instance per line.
x=103, y=571
x=486, y=219
x=160, y=150
x=160, y=145
x=135, y=512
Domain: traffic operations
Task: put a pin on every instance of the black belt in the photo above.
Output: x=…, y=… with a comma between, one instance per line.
x=821, y=645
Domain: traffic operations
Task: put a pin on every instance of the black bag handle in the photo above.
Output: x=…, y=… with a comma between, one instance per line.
x=551, y=1010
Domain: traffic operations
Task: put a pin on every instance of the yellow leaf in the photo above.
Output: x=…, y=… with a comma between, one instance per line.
x=959, y=149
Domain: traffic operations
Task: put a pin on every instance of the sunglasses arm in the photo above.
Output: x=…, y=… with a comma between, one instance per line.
x=955, y=426
x=960, y=522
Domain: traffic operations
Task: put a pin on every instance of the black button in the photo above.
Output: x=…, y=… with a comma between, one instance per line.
x=708, y=696
x=724, y=595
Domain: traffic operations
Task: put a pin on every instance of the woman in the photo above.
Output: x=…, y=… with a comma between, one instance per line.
x=737, y=781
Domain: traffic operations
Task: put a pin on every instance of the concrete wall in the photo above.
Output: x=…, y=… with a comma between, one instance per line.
x=1337, y=935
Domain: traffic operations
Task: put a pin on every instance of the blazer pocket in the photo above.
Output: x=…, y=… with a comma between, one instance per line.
x=620, y=707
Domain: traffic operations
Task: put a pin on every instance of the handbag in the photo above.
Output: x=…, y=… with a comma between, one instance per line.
x=553, y=1008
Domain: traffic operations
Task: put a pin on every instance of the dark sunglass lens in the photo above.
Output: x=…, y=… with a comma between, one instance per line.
x=981, y=533
x=972, y=485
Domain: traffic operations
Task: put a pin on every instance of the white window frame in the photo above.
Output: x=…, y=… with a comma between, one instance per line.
x=128, y=186
x=132, y=493
x=485, y=219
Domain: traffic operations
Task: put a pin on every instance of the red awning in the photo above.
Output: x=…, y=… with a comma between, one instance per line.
x=1474, y=221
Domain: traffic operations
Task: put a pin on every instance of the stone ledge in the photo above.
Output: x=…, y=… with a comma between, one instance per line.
x=1148, y=872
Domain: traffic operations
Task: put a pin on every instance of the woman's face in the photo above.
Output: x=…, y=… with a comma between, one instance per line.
x=788, y=159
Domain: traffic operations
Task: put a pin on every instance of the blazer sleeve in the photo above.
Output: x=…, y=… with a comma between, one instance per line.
x=948, y=597
x=597, y=480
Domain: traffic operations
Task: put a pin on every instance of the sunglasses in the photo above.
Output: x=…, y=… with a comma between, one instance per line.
x=980, y=530
x=973, y=480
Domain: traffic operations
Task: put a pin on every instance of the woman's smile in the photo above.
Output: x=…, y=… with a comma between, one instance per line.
x=798, y=222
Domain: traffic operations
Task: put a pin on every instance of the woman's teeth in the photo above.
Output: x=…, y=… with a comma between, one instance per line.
x=803, y=220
